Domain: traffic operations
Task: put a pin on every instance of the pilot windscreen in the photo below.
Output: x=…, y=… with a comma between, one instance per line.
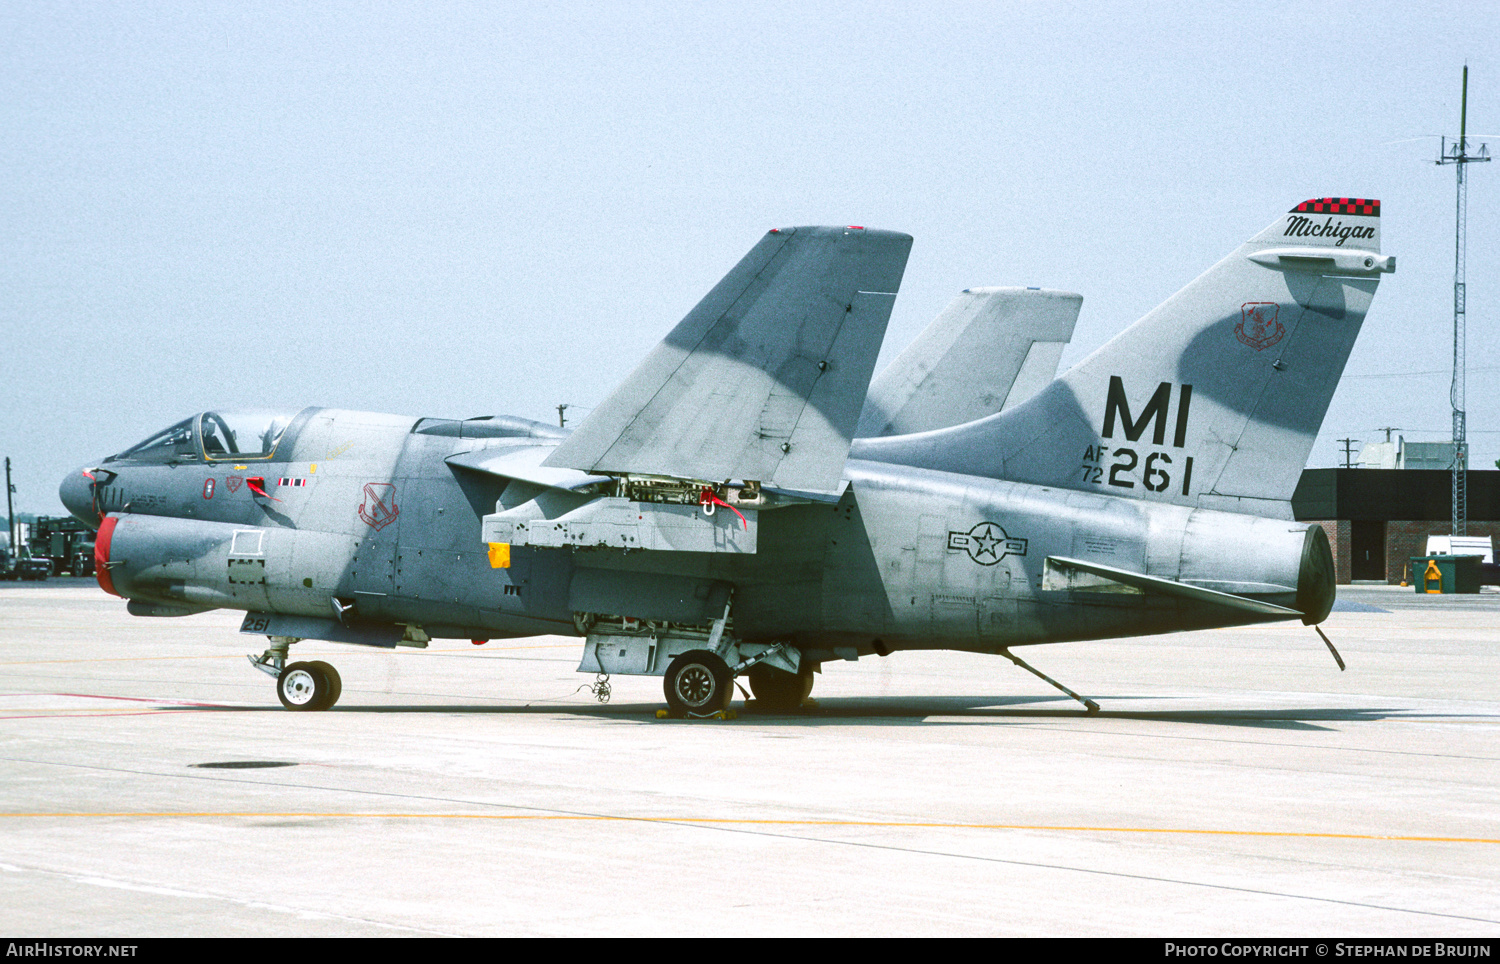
x=175, y=443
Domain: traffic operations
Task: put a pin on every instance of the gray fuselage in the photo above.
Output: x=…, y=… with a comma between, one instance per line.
x=365, y=509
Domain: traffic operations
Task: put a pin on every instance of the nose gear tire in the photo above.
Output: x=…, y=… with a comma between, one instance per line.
x=306, y=686
x=335, y=682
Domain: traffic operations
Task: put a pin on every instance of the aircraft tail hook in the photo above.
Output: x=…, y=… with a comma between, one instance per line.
x=1089, y=704
x=1329, y=643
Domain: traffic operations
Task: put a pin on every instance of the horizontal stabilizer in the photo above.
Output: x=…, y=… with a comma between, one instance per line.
x=990, y=350
x=521, y=464
x=765, y=378
x=1059, y=575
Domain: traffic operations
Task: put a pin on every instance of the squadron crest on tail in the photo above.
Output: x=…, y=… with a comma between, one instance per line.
x=1258, y=326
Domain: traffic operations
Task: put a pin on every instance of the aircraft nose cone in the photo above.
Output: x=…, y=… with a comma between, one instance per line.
x=76, y=494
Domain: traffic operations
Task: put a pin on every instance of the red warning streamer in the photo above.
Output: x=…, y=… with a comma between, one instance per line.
x=707, y=497
x=257, y=484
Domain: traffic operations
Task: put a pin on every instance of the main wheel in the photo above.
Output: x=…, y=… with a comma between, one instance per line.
x=303, y=686
x=699, y=683
x=779, y=690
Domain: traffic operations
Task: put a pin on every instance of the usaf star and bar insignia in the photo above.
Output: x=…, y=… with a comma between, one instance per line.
x=986, y=543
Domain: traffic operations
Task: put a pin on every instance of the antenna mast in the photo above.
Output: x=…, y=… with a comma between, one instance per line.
x=1348, y=451
x=10, y=511
x=1459, y=157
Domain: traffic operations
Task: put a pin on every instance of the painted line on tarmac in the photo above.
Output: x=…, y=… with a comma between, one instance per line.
x=135, y=699
x=749, y=822
x=341, y=652
x=77, y=714
x=783, y=833
x=60, y=712
x=109, y=659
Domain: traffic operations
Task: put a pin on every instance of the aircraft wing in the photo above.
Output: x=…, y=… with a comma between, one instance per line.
x=522, y=465
x=990, y=350
x=765, y=378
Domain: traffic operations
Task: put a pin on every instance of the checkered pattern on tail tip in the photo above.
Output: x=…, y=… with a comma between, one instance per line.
x=1365, y=207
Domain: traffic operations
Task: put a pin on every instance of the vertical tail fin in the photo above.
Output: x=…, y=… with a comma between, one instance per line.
x=990, y=350
x=1214, y=398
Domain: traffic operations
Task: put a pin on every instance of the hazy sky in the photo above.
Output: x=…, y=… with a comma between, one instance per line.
x=463, y=209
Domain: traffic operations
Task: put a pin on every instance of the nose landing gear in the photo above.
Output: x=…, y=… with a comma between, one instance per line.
x=308, y=686
x=312, y=685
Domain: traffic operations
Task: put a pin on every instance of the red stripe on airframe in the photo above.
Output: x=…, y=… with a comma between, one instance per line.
x=101, y=554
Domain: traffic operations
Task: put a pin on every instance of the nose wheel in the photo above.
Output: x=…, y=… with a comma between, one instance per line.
x=308, y=686
x=313, y=685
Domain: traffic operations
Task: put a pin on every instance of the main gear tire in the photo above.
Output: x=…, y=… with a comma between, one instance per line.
x=304, y=687
x=778, y=690
x=698, y=683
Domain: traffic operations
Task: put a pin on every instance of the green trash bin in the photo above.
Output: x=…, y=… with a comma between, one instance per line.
x=1445, y=574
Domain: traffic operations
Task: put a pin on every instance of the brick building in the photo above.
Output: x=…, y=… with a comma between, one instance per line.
x=1377, y=519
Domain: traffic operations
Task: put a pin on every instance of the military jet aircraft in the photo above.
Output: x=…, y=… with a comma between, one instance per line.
x=720, y=515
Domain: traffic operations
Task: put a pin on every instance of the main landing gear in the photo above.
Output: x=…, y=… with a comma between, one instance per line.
x=700, y=683
x=312, y=685
x=777, y=690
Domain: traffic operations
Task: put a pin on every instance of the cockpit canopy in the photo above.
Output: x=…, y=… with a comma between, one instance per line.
x=244, y=435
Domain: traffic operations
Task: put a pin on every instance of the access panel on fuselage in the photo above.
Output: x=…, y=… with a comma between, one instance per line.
x=947, y=568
